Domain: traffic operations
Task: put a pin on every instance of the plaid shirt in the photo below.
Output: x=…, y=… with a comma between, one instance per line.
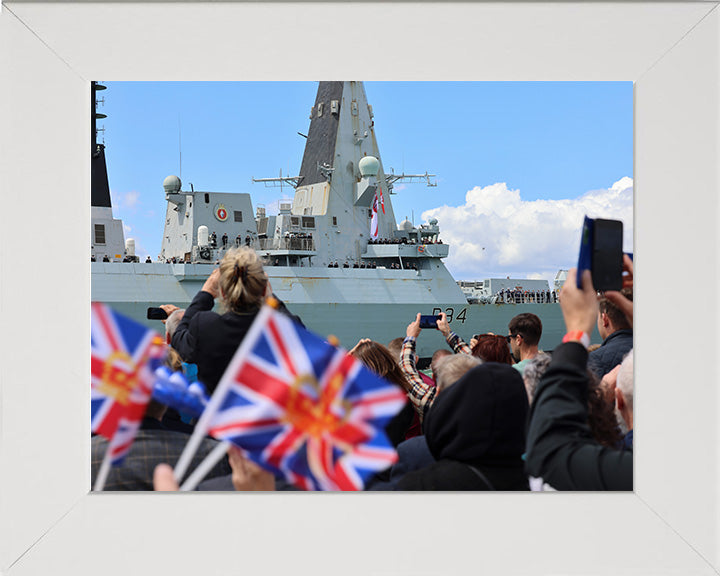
x=421, y=394
x=457, y=344
x=150, y=448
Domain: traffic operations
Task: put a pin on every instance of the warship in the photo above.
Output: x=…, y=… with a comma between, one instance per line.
x=334, y=254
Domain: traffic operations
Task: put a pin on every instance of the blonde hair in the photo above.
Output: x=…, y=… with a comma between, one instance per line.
x=242, y=279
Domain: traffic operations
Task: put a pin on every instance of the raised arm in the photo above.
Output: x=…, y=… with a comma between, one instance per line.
x=560, y=446
x=183, y=339
x=454, y=341
x=421, y=394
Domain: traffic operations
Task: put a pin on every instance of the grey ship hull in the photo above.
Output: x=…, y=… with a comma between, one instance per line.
x=346, y=302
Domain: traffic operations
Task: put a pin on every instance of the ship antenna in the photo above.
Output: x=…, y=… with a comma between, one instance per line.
x=180, y=146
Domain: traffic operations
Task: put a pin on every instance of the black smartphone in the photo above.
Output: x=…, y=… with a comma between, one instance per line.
x=156, y=313
x=607, y=255
x=429, y=321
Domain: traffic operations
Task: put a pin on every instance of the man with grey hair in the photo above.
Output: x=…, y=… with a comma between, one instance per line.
x=174, y=316
x=534, y=370
x=624, y=391
x=451, y=368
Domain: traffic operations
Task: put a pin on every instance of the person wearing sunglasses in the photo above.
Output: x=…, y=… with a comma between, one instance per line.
x=524, y=332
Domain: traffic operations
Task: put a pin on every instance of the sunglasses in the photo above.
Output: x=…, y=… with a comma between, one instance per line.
x=509, y=337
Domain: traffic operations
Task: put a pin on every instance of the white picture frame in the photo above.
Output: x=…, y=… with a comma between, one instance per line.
x=49, y=520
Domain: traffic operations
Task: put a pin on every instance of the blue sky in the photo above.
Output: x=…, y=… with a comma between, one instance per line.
x=517, y=163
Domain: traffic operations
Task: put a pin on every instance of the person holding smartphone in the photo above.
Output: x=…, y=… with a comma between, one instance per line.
x=561, y=450
x=209, y=339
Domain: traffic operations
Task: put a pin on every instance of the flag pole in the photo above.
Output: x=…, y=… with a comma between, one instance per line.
x=206, y=465
x=103, y=472
x=220, y=392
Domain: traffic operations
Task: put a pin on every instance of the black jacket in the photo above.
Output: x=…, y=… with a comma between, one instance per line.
x=560, y=446
x=209, y=339
x=611, y=353
x=475, y=430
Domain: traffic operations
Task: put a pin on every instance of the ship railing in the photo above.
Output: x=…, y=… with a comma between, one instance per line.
x=303, y=244
x=531, y=297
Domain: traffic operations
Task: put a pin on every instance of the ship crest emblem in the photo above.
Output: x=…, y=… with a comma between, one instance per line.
x=221, y=212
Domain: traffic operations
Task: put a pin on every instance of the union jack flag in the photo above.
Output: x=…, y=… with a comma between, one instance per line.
x=303, y=408
x=123, y=357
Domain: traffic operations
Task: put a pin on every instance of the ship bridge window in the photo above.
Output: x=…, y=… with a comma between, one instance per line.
x=294, y=221
x=99, y=233
x=308, y=222
x=207, y=198
x=238, y=215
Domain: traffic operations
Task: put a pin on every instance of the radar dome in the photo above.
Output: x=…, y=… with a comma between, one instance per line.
x=369, y=166
x=172, y=184
x=432, y=221
x=405, y=225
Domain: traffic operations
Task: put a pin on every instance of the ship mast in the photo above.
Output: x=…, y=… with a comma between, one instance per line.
x=100, y=190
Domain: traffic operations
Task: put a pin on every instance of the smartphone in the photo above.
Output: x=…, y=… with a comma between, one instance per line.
x=156, y=313
x=429, y=321
x=607, y=255
x=601, y=253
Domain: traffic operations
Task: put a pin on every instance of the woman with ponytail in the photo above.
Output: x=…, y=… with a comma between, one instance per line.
x=209, y=339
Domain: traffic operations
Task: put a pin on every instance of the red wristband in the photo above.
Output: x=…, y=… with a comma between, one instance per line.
x=577, y=336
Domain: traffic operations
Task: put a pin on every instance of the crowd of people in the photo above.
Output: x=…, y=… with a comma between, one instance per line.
x=404, y=240
x=519, y=296
x=495, y=413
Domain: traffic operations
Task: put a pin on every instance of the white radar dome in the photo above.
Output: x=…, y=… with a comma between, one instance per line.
x=369, y=166
x=172, y=184
x=203, y=236
x=130, y=247
x=405, y=225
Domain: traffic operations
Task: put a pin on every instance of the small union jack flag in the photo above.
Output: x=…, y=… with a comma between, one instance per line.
x=123, y=357
x=304, y=408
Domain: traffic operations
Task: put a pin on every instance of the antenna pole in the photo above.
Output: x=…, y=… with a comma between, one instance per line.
x=180, y=146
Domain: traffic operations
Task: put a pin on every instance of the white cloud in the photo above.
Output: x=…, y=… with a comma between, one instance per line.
x=496, y=233
x=124, y=201
x=131, y=198
x=273, y=208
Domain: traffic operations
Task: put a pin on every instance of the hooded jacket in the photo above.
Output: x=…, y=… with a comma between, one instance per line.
x=475, y=430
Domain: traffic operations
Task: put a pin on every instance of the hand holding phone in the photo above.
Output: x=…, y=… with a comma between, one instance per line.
x=156, y=313
x=601, y=253
x=429, y=321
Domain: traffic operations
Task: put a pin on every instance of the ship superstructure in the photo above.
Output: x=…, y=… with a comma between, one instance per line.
x=334, y=254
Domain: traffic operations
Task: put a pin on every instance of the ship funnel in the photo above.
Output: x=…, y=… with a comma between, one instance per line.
x=203, y=236
x=130, y=247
